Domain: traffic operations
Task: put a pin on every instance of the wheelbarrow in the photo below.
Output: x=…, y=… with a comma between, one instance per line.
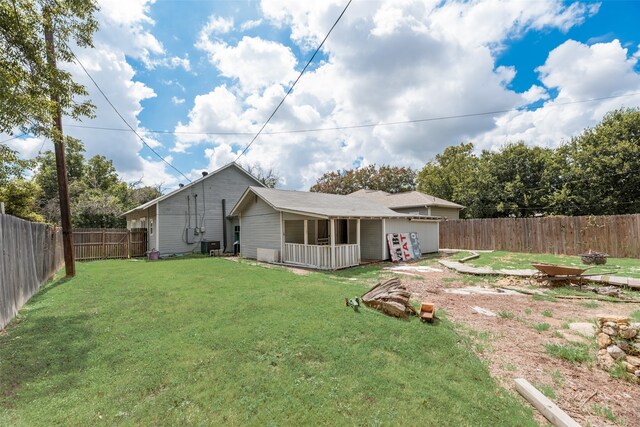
x=560, y=273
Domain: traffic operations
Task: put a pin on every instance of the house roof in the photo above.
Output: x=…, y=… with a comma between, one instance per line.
x=319, y=204
x=409, y=199
x=191, y=184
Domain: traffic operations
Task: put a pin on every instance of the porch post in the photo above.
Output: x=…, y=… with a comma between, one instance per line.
x=156, y=229
x=282, y=257
x=358, y=239
x=384, y=239
x=333, y=243
x=306, y=232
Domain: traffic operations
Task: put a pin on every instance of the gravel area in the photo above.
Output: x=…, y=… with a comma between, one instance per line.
x=513, y=348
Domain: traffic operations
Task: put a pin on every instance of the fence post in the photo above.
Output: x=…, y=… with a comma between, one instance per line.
x=128, y=243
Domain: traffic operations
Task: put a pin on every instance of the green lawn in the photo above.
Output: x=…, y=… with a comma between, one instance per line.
x=207, y=341
x=629, y=267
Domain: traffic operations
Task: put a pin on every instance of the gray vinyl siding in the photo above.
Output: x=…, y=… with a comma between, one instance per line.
x=294, y=231
x=427, y=233
x=228, y=184
x=449, y=213
x=370, y=239
x=259, y=228
x=139, y=215
x=413, y=211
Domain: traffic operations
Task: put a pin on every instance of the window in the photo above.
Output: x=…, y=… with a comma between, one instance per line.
x=150, y=225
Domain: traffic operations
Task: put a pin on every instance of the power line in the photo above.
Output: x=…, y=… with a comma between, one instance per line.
x=295, y=82
x=12, y=138
x=122, y=118
x=362, y=125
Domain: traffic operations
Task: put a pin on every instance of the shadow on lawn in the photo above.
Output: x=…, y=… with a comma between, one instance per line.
x=47, y=350
x=48, y=287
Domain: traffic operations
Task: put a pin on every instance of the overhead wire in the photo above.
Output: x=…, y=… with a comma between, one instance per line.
x=362, y=125
x=123, y=119
x=295, y=82
x=12, y=138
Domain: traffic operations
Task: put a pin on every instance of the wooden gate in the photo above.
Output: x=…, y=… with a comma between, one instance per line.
x=109, y=243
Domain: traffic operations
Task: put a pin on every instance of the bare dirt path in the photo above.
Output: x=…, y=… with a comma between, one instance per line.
x=513, y=348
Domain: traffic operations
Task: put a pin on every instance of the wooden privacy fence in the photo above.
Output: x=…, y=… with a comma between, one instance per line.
x=109, y=243
x=31, y=254
x=617, y=235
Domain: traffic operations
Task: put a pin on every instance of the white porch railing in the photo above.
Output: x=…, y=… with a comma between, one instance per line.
x=319, y=256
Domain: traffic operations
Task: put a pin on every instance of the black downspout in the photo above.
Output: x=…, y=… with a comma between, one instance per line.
x=224, y=226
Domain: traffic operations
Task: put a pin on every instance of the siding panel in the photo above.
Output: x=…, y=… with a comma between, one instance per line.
x=427, y=233
x=259, y=228
x=228, y=184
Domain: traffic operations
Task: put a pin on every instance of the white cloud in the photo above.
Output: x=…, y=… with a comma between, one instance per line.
x=248, y=25
x=218, y=25
x=177, y=101
x=275, y=61
x=582, y=72
x=534, y=94
x=395, y=61
x=28, y=147
x=579, y=73
x=124, y=31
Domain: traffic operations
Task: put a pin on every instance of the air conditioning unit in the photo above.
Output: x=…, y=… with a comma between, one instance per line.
x=268, y=255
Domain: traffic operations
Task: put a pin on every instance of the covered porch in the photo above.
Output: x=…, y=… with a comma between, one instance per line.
x=325, y=244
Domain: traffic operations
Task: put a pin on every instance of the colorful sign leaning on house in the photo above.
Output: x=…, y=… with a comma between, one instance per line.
x=403, y=246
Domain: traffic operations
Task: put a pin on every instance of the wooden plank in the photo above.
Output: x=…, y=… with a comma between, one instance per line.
x=550, y=410
x=30, y=256
x=618, y=235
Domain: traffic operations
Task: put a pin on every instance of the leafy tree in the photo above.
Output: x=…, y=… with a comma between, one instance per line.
x=454, y=176
x=27, y=81
x=392, y=179
x=100, y=174
x=598, y=170
x=21, y=198
x=96, y=209
x=269, y=177
x=46, y=176
x=98, y=196
x=11, y=165
x=518, y=177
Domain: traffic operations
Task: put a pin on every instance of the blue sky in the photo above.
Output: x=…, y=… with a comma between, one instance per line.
x=199, y=66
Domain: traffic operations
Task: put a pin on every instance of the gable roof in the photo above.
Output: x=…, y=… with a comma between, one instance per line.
x=321, y=205
x=191, y=184
x=409, y=199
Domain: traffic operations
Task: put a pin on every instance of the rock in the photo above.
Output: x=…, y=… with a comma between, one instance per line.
x=634, y=361
x=583, y=328
x=616, y=352
x=609, y=331
x=635, y=326
x=605, y=360
x=603, y=340
x=628, y=367
x=637, y=373
x=624, y=346
x=628, y=333
x=611, y=324
x=620, y=320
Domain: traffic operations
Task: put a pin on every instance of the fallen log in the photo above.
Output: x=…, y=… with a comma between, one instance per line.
x=390, y=297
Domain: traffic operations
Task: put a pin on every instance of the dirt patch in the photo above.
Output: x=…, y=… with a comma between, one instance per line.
x=513, y=344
